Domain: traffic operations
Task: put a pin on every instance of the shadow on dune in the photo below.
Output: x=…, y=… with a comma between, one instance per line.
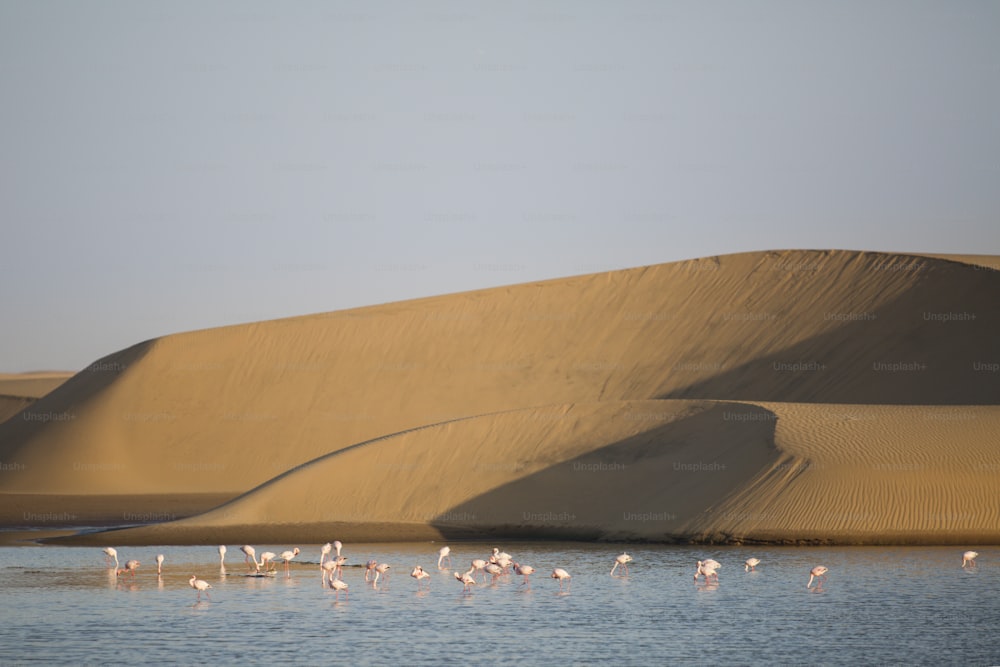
x=62, y=403
x=652, y=486
x=930, y=346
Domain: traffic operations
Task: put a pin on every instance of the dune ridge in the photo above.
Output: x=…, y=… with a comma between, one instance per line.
x=231, y=414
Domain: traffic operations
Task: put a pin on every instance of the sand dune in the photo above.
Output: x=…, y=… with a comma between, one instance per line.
x=220, y=412
x=19, y=390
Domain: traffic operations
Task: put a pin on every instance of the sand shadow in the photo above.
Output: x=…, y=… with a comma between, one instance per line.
x=652, y=486
x=930, y=346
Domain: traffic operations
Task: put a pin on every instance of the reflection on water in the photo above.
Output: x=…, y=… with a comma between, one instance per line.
x=876, y=605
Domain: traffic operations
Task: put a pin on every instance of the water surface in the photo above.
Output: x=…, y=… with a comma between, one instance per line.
x=879, y=605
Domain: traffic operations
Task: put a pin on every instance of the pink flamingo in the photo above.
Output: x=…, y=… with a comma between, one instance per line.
x=524, y=571
x=200, y=585
x=381, y=569
x=478, y=565
x=267, y=561
x=130, y=566
x=751, y=564
x=109, y=553
x=561, y=575
x=466, y=580
x=969, y=557
x=622, y=560
x=370, y=568
x=159, y=565
x=818, y=573
x=419, y=574
x=444, y=552
x=250, y=554
x=338, y=585
x=287, y=556
x=706, y=568
x=493, y=570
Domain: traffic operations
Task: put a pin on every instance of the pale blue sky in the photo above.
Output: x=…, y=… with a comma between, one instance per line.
x=181, y=165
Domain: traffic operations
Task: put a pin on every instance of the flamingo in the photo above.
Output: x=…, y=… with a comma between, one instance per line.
x=337, y=546
x=381, y=569
x=130, y=566
x=251, y=555
x=501, y=558
x=478, y=564
x=287, y=556
x=222, y=556
x=706, y=569
x=370, y=568
x=818, y=573
x=622, y=560
x=109, y=553
x=503, y=561
x=561, y=575
x=338, y=585
x=324, y=552
x=267, y=561
x=466, y=579
x=327, y=570
x=969, y=557
x=524, y=570
x=419, y=574
x=200, y=585
x=444, y=552
x=159, y=564
x=494, y=570
x=750, y=564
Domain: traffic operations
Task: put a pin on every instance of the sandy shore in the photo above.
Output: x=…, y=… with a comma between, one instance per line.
x=793, y=396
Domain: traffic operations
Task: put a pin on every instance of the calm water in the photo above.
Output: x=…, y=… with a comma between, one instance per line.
x=878, y=606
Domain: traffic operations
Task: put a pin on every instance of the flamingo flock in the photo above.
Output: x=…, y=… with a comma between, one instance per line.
x=496, y=566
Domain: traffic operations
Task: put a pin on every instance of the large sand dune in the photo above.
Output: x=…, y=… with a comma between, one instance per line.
x=228, y=413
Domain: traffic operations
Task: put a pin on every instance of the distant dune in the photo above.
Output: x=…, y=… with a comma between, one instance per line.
x=19, y=390
x=821, y=396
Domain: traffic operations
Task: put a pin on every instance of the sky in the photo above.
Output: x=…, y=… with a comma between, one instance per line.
x=172, y=166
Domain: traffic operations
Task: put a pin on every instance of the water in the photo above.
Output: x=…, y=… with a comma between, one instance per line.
x=878, y=606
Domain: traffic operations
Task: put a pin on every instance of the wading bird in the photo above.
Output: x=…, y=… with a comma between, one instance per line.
x=818, y=573
x=109, y=553
x=267, y=561
x=250, y=557
x=130, y=566
x=200, y=585
x=419, y=574
x=159, y=564
x=969, y=558
x=287, y=556
x=561, y=575
x=338, y=585
x=478, y=564
x=222, y=556
x=750, y=564
x=524, y=571
x=382, y=569
x=466, y=580
x=444, y=552
x=622, y=560
x=706, y=568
